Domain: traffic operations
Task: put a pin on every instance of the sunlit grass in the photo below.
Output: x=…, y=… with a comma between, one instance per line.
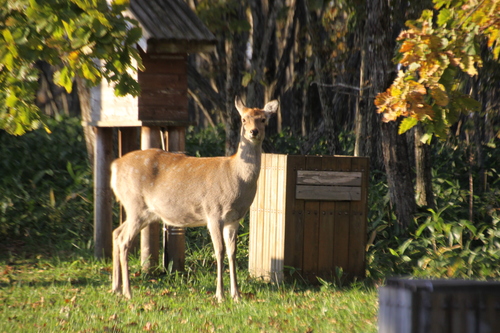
x=42, y=295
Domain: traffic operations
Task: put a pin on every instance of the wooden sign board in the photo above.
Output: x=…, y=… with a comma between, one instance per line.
x=328, y=185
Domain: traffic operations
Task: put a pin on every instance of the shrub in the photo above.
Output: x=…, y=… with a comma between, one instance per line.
x=45, y=185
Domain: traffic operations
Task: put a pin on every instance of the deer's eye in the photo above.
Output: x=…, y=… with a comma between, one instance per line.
x=263, y=120
x=244, y=120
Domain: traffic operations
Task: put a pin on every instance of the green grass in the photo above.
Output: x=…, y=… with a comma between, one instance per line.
x=72, y=294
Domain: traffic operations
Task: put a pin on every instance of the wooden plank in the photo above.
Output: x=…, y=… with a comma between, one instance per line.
x=273, y=216
x=280, y=219
x=253, y=229
x=150, y=235
x=311, y=228
x=159, y=81
x=128, y=140
x=294, y=229
x=330, y=193
x=268, y=218
x=160, y=113
x=358, y=223
x=174, y=238
x=164, y=99
x=257, y=233
x=326, y=230
x=164, y=65
x=314, y=177
x=342, y=219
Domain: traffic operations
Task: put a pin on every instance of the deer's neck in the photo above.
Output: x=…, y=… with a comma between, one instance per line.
x=247, y=160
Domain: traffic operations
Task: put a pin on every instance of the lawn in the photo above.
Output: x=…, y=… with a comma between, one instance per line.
x=71, y=293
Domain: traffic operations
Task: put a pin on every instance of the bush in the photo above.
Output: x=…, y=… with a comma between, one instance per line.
x=45, y=185
x=442, y=243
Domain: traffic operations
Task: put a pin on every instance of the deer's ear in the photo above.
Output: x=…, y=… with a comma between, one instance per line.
x=239, y=105
x=272, y=106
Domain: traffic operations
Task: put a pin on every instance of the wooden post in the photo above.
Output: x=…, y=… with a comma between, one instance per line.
x=127, y=142
x=150, y=236
x=174, y=238
x=103, y=212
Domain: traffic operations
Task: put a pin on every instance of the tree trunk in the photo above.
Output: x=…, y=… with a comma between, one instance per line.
x=381, y=29
x=86, y=110
x=423, y=168
x=235, y=49
x=362, y=118
x=323, y=76
x=399, y=174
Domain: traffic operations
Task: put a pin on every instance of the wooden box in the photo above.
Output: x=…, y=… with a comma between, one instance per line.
x=309, y=216
x=439, y=306
x=163, y=95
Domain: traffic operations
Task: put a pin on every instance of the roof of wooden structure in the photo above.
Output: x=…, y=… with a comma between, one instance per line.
x=170, y=26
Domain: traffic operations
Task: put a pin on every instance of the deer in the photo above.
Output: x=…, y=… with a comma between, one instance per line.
x=184, y=191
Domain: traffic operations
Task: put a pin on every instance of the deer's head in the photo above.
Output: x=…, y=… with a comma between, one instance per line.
x=254, y=120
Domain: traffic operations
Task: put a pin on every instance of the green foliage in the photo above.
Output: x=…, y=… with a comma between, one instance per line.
x=221, y=16
x=73, y=36
x=45, y=186
x=205, y=142
x=286, y=142
x=443, y=243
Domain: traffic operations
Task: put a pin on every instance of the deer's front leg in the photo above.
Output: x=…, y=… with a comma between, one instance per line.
x=215, y=228
x=230, y=236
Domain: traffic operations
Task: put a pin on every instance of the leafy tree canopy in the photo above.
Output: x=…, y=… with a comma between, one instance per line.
x=434, y=49
x=88, y=38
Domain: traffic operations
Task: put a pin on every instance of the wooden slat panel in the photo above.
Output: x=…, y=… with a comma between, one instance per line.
x=159, y=113
x=326, y=231
x=273, y=216
x=342, y=219
x=157, y=64
x=357, y=233
x=163, y=98
x=252, y=241
x=268, y=218
x=311, y=229
x=158, y=81
x=294, y=229
x=331, y=193
x=257, y=233
x=309, y=177
x=280, y=223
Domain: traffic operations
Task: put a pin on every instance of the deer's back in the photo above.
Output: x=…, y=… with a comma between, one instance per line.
x=180, y=189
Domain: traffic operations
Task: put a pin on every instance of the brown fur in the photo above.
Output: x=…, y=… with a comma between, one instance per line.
x=187, y=191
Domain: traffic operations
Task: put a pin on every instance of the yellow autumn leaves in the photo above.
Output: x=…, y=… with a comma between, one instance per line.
x=431, y=50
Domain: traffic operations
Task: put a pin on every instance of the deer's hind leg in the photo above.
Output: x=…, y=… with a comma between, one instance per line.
x=123, y=238
x=117, y=276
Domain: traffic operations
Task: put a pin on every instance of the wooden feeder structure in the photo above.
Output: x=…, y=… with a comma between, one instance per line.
x=170, y=32
x=439, y=306
x=309, y=216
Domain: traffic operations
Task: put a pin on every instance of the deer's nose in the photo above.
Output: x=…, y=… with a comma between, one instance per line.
x=254, y=132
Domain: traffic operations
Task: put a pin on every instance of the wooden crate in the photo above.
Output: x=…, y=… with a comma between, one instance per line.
x=309, y=216
x=439, y=306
